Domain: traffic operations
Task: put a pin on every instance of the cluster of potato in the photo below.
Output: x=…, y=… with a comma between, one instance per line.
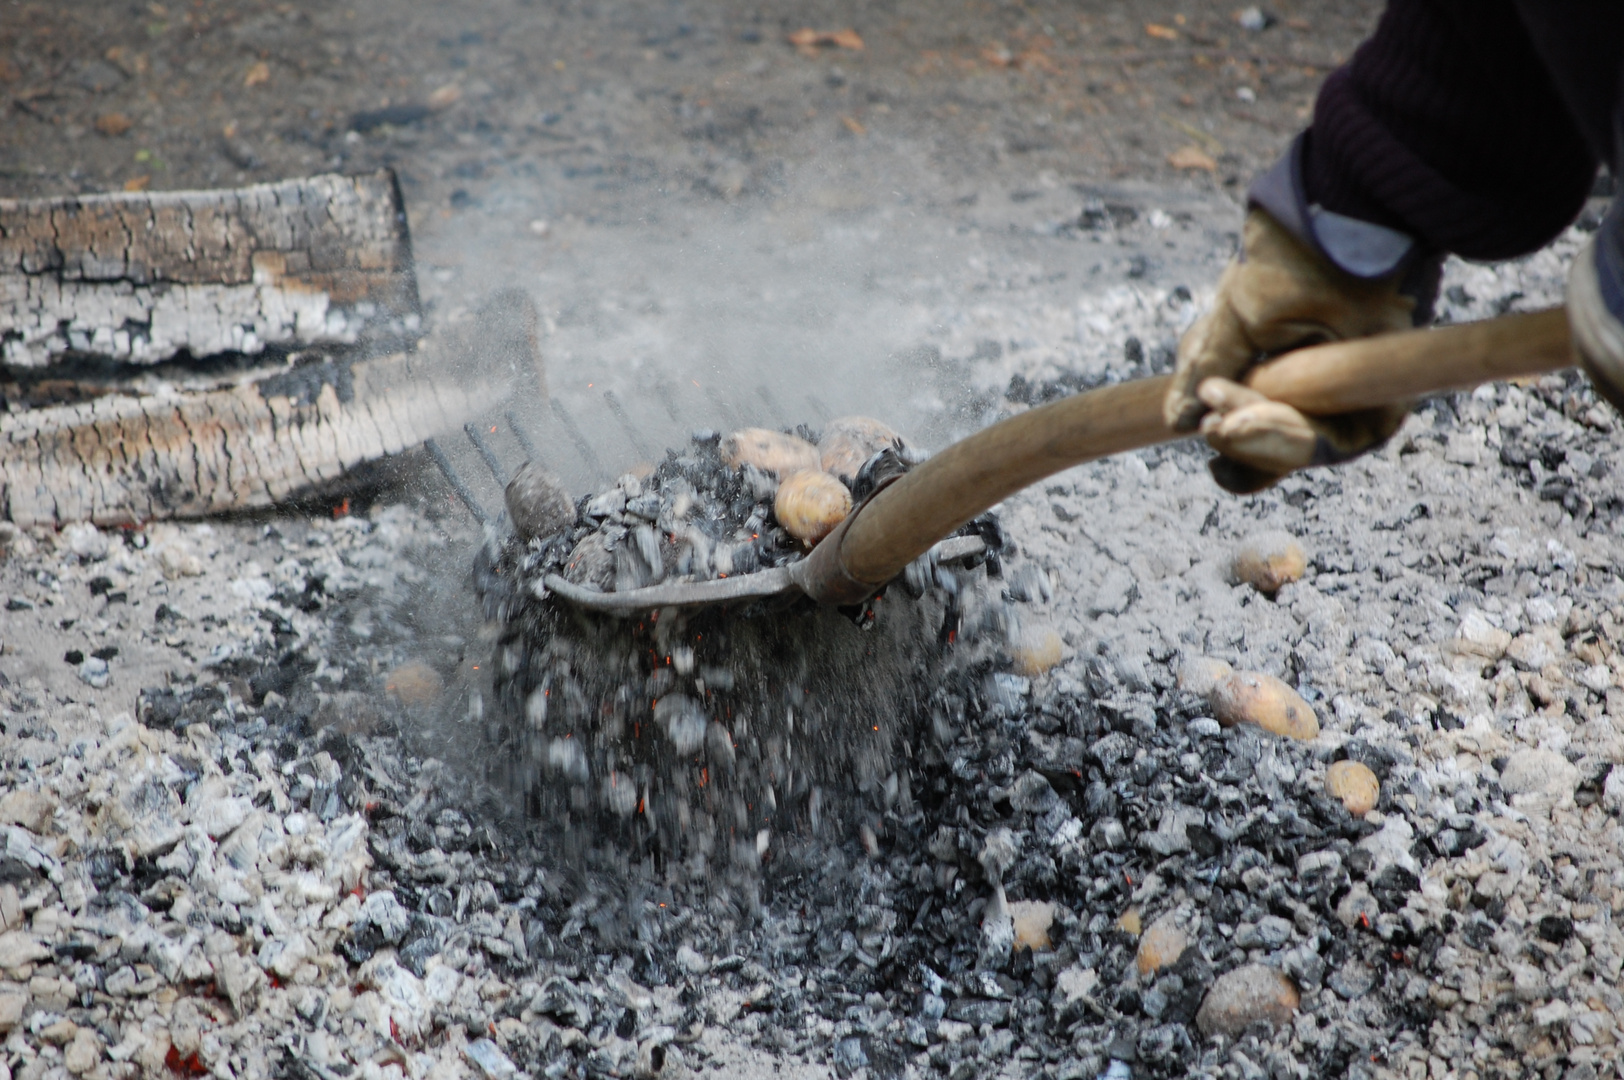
x=814, y=481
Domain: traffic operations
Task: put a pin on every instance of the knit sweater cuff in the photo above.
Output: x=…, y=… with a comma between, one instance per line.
x=1363, y=249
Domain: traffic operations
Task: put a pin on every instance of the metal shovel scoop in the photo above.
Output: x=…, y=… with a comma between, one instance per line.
x=911, y=515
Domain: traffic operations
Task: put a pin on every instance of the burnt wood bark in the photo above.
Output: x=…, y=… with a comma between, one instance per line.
x=194, y=353
x=138, y=277
x=126, y=456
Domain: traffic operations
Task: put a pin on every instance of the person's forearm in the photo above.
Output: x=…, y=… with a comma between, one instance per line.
x=1447, y=127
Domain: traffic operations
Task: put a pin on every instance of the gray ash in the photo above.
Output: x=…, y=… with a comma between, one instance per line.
x=872, y=789
x=871, y=796
x=859, y=934
x=1100, y=803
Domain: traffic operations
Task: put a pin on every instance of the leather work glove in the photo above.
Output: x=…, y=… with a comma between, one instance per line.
x=1596, y=307
x=1279, y=294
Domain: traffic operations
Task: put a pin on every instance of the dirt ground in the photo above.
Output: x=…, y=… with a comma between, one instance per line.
x=608, y=107
x=700, y=207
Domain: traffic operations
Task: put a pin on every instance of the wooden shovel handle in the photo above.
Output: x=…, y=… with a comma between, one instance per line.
x=904, y=520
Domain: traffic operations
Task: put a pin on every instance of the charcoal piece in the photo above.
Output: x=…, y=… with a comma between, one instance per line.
x=1479, y=934
x=415, y=955
x=849, y=1055
x=1097, y=215
x=1352, y=980
x=1456, y=842
x=1203, y=841
x=1516, y=454
x=1378, y=760
x=1556, y=929
x=1360, y=862
x=358, y=947
x=562, y=1001
x=161, y=708
x=106, y=867
x=1393, y=886
x=876, y=472
x=978, y=1011
x=76, y=950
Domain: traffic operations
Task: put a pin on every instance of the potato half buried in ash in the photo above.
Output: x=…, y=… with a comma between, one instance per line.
x=852, y=440
x=770, y=451
x=537, y=503
x=810, y=504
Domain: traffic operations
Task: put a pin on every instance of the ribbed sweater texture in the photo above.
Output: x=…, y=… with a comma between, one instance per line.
x=1474, y=125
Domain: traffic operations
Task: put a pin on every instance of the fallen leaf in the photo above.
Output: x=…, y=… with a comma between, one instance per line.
x=259, y=73
x=8, y=71
x=854, y=125
x=998, y=55
x=1036, y=60
x=113, y=123
x=1166, y=33
x=137, y=183
x=446, y=96
x=807, y=39
x=1192, y=157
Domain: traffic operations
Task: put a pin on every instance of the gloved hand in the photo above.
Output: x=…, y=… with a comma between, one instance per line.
x=1596, y=307
x=1279, y=294
x=1260, y=440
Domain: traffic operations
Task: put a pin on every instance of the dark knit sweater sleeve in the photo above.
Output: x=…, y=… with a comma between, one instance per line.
x=1447, y=125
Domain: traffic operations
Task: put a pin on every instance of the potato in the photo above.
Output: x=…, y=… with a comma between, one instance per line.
x=1032, y=919
x=810, y=504
x=1035, y=650
x=591, y=563
x=852, y=440
x=414, y=683
x=1201, y=674
x=1354, y=786
x=1251, y=697
x=537, y=503
x=1161, y=946
x=770, y=451
x=1242, y=997
x=1269, y=561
